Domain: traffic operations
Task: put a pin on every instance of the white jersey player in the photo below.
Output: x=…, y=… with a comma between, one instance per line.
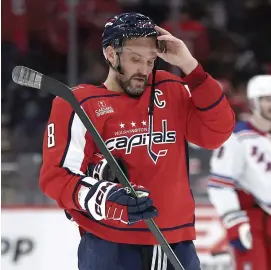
x=240, y=182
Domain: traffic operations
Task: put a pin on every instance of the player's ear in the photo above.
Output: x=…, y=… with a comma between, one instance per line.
x=111, y=55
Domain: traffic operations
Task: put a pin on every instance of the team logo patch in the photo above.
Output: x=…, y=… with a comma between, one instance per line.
x=103, y=108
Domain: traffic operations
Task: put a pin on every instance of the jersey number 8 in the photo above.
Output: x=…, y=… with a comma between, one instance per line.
x=51, y=135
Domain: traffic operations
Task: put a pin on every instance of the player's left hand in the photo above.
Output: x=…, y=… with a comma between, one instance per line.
x=176, y=53
x=100, y=169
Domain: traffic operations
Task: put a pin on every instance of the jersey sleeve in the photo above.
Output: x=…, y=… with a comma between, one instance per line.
x=226, y=165
x=67, y=151
x=210, y=119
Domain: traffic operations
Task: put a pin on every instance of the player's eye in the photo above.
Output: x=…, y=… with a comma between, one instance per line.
x=135, y=59
x=150, y=63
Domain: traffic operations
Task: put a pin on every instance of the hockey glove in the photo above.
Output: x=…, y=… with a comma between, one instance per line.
x=238, y=230
x=110, y=201
x=100, y=169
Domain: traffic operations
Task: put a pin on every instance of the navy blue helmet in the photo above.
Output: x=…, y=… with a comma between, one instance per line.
x=127, y=26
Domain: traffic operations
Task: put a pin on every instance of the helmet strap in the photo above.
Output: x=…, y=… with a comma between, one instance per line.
x=117, y=68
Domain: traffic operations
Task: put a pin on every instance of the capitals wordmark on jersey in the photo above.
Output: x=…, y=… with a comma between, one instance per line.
x=145, y=136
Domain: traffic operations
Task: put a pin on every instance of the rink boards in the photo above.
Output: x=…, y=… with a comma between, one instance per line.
x=42, y=239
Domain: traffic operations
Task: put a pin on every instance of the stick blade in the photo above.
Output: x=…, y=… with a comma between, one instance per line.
x=27, y=77
x=31, y=78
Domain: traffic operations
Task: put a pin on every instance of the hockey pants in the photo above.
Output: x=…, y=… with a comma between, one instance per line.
x=97, y=254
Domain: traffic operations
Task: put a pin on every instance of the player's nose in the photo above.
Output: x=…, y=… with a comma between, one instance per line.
x=143, y=69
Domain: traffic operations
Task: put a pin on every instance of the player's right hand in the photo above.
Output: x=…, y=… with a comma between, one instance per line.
x=238, y=230
x=110, y=201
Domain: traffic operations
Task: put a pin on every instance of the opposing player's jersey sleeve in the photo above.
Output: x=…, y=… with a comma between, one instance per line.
x=210, y=119
x=67, y=150
x=227, y=164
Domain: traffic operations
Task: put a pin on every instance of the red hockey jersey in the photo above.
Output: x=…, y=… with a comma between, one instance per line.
x=203, y=117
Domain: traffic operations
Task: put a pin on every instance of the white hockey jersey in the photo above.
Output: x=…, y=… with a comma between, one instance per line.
x=241, y=164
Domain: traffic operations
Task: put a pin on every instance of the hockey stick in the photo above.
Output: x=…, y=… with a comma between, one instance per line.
x=31, y=78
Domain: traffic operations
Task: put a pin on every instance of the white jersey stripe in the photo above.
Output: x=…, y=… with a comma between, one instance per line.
x=75, y=153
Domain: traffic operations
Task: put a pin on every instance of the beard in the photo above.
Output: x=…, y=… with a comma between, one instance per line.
x=132, y=87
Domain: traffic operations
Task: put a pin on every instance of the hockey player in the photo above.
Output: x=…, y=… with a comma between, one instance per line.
x=240, y=185
x=145, y=118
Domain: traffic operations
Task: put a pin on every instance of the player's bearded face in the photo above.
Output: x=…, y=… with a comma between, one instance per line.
x=265, y=105
x=137, y=62
x=134, y=85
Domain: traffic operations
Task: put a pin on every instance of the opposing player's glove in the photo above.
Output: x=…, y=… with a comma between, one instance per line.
x=110, y=201
x=238, y=230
